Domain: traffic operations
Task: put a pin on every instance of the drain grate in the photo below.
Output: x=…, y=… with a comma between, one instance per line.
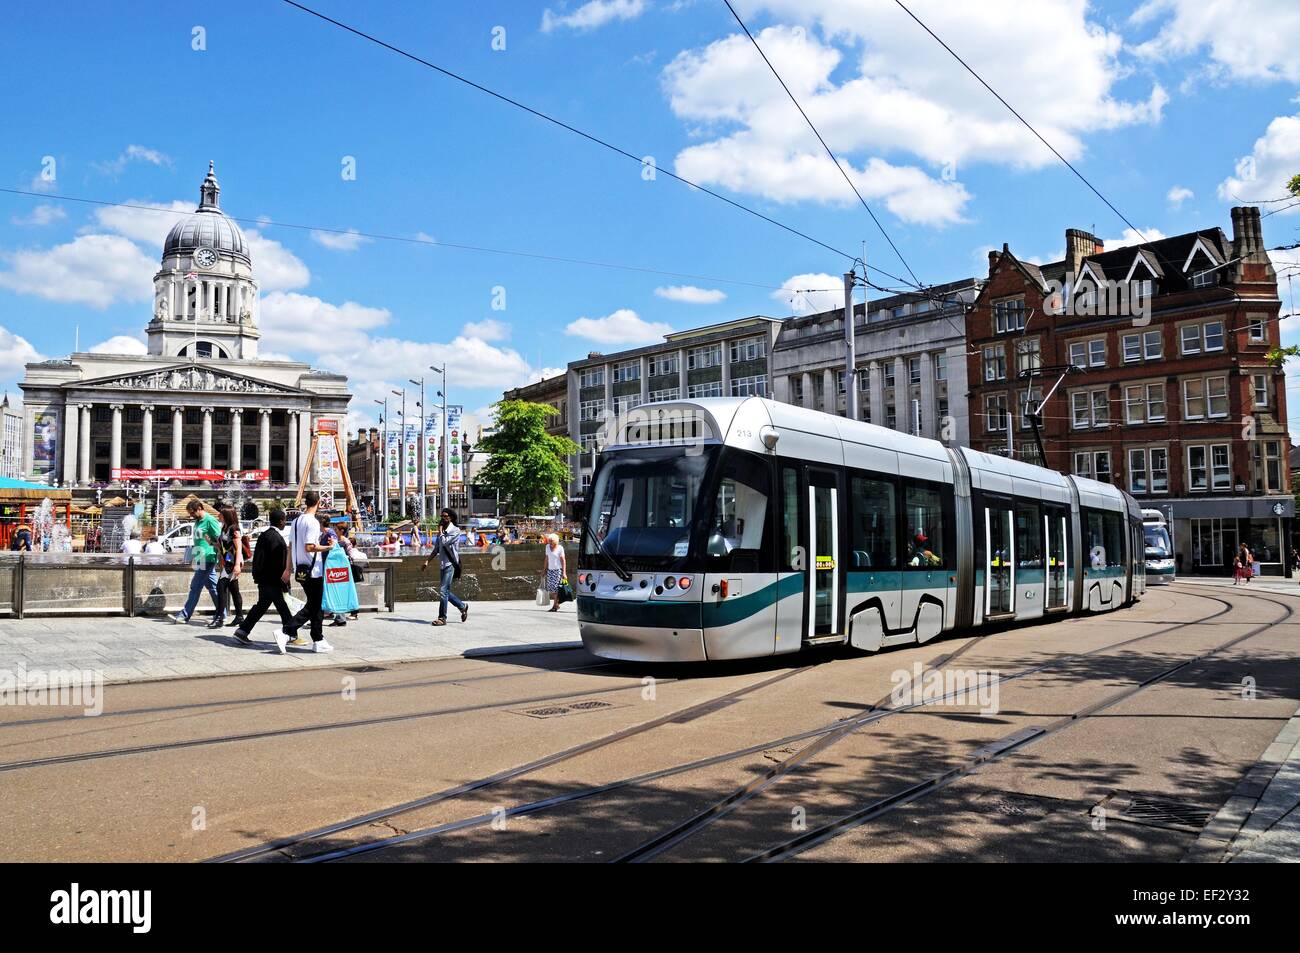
x=1150, y=811
x=366, y=669
x=556, y=711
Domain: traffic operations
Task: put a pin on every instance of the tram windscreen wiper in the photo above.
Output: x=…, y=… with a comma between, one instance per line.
x=604, y=551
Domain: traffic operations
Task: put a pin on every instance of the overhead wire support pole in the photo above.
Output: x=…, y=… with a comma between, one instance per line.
x=850, y=348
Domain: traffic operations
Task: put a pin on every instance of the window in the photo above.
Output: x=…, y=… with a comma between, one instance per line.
x=1132, y=348
x=924, y=518
x=1009, y=316
x=891, y=417
x=941, y=367
x=1220, y=470
x=1203, y=279
x=1216, y=390
x=1260, y=385
x=1088, y=353
x=755, y=386
x=1205, y=397
x=1152, y=346
x=790, y=553
x=1256, y=329
x=1206, y=337
x=873, y=536
x=1103, y=539
x=796, y=389
x=995, y=413
x=1029, y=356
x=1273, y=466
x=668, y=393
x=1028, y=402
x=663, y=366
x=914, y=370
x=839, y=383
x=595, y=377
x=1093, y=464
x=995, y=364
x=1212, y=334
x=1144, y=403
x=1159, y=457
x=591, y=409
x=1137, y=471
x=889, y=374
x=748, y=349
x=1090, y=409
x=1029, y=536
x=739, y=511
x=709, y=389
x=1208, y=467
x=627, y=371
x=626, y=403
x=701, y=357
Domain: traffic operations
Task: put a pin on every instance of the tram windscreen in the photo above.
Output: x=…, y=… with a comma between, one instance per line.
x=1156, y=541
x=644, y=504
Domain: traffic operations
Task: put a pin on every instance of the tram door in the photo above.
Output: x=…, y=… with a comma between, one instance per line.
x=1058, y=570
x=825, y=615
x=1000, y=559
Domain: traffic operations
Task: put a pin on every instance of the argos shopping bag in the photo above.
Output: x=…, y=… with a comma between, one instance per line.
x=340, y=589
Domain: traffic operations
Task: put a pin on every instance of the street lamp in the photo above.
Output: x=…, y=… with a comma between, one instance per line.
x=381, y=485
x=421, y=479
x=442, y=444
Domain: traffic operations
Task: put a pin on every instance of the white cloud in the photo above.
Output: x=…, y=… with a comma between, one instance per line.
x=1130, y=237
x=1273, y=160
x=133, y=154
x=1246, y=39
x=874, y=84
x=1178, y=195
x=811, y=293
x=97, y=270
x=350, y=240
x=624, y=326
x=592, y=15
x=487, y=330
x=145, y=222
x=41, y=215
x=275, y=267
x=120, y=344
x=16, y=351
x=296, y=323
x=689, y=294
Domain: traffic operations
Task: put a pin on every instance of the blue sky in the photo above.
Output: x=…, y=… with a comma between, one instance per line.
x=1152, y=101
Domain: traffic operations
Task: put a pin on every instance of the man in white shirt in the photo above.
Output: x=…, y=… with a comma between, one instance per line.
x=305, y=550
x=133, y=546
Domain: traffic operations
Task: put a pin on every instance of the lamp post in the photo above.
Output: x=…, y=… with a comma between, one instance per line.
x=401, y=469
x=422, y=475
x=381, y=486
x=442, y=444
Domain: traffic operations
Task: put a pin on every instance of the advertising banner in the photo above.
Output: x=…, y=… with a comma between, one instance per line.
x=170, y=473
x=45, y=443
x=329, y=472
x=411, y=456
x=432, y=433
x=394, y=462
x=455, y=465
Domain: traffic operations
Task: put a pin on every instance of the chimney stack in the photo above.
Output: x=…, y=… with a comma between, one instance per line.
x=1248, y=246
x=1078, y=246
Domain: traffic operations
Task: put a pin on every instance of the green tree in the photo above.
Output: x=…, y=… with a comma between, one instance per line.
x=528, y=465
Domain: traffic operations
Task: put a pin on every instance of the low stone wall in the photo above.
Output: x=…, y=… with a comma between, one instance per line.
x=514, y=575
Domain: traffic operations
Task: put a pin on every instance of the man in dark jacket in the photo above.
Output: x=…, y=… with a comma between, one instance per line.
x=268, y=575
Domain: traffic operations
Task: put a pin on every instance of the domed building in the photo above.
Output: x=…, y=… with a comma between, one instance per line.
x=200, y=407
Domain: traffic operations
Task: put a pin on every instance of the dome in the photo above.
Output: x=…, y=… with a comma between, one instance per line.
x=206, y=225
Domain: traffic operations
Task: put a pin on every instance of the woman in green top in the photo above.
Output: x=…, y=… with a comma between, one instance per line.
x=203, y=554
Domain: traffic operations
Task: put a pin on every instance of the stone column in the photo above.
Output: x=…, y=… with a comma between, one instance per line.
x=902, y=406
x=645, y=385
x=929, y=423
x=69, y=442
x=830, y=397
x=236, y=437
x=178, y=437
x=726, y=368
x=205, y=453
x=146, y=437
x=877, y=393
x=295, y=471
x=808, y=398
x=115, y=448
x=304, y=436
x=264, y=440
x=83, y=452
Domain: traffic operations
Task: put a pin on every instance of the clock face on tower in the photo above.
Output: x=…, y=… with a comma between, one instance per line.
x=205, y=258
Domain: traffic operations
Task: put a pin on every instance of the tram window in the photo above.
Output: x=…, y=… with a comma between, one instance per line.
x=1029, y=536
x=925, y=529
x=874, y=538
x=740, y=507
x=1104, y=539
x=789, y=517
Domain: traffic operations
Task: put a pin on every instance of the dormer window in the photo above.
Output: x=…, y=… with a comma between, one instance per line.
x=1205, y=278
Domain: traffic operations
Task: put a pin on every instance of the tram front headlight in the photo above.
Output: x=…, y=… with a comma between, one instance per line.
x=684, y=582
x=670, y=583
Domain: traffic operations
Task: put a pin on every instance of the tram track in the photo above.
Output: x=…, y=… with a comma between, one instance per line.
x=838, y=730
x=999, y=749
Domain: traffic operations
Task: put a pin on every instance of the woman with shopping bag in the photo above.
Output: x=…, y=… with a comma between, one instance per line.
x=556, y=568
x=340, y=590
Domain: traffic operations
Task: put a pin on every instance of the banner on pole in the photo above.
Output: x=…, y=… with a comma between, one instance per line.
x=394, y=462
x=455, y=465
x=432, y=429
x=411, y=457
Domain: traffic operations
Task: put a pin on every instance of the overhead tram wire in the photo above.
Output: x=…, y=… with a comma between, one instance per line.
x=820, y=139
x=378, y=236
x=590, y=137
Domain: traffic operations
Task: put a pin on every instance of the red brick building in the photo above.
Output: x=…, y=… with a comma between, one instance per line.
x=1167, y=391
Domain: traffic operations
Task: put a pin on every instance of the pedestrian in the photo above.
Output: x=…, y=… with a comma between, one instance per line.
x=556, y=568
x=1247, y=561
x=132, y=546
x=305, y=561
x=446, y=546
x=345, y=540
x=233, y=553
x=270, y=575
x=154, y=547
x=203, y=557
x=22, y=540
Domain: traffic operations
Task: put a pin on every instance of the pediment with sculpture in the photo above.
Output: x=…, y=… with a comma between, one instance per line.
x=187, y=377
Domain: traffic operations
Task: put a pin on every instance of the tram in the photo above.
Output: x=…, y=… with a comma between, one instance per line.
x=729, y=528
x=1159, y=549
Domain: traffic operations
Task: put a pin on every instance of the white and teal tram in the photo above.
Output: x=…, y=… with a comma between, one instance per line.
x=741, y=527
